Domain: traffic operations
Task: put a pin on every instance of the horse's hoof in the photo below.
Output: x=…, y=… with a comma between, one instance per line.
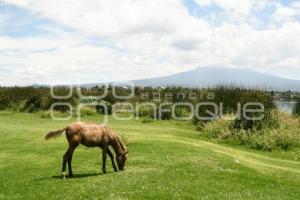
x=63, y=174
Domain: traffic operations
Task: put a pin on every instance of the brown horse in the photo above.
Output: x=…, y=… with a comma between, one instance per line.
x=91, y=135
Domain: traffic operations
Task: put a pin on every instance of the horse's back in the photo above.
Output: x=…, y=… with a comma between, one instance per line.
x=90, y=134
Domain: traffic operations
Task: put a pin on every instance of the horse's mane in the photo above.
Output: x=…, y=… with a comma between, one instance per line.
x=121, y=144
x=118, y=141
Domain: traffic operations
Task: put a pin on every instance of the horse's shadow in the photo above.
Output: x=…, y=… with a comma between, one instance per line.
x=78, y=176
x=75, y=176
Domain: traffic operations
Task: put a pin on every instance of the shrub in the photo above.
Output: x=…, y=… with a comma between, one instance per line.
x=45, y=115
x=35, y=103
x=5, y=102
x=284, y=137
x=147, y=120
x=296, y=111
x=219, y=129
x=165, y=115
x=272, y=139
x=182, y=112
x=199, y=124
x=270, y=120
x=231, y=97
x=18, y=107
x=146, y=112
x=88, y=111
x=101, y=110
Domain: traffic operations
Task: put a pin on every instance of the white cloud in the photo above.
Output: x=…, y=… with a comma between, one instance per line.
x=287, y=13
x=236, y=10
x=237, y=7
x=132, y=39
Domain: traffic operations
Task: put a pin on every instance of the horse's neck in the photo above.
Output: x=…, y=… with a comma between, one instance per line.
x=116, y=146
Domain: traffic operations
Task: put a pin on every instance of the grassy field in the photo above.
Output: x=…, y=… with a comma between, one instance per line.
x=167, y=160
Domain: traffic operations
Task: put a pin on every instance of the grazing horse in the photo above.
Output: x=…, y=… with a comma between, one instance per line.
x=91, y=135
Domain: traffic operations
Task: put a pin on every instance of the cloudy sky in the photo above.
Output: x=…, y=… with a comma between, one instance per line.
x=76, y=41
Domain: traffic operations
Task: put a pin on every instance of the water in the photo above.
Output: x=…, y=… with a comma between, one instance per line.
x=285, y=105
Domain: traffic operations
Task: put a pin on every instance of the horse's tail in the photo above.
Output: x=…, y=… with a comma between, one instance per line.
x=54, y=134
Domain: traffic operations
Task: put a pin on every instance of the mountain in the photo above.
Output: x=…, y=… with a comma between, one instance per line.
x=212, y=76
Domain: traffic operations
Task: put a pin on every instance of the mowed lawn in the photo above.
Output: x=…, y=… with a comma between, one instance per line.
x=166, y=160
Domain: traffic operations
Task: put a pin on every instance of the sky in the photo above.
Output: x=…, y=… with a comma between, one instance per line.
x=75, y=41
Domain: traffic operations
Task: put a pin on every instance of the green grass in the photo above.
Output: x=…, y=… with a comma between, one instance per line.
x=166, y=160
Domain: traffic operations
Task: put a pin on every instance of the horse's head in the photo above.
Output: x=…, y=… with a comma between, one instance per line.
x=121, y=159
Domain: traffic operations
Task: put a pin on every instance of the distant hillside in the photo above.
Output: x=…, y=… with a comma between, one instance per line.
x=207, y=76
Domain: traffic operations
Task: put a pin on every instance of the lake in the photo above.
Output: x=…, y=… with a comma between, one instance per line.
x=285, y=105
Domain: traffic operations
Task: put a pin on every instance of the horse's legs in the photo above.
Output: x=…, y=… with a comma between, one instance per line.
x=70, y=161
x=104, y=152
x=66, y=158
x=112, y=159
x=70, y=165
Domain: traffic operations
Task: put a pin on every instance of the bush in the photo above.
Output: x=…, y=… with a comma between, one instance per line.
x=147, y=120
x=219, y=129
x=5, y=102
x=45, y=115
x=296, y=111
x=284, y=137
x=146, y=112
x=32, y=104
x=199, y=124
x=101, y=110
x=165, y=115
x=87, y=111
x=270, y=120
x=272, y=139
x=18, y=107
x=231, y=97
x=182, y=112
